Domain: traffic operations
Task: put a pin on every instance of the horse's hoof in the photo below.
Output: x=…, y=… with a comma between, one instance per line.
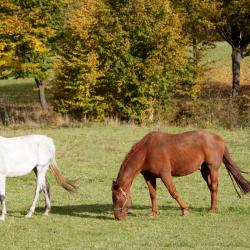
x=185, y=212
x=28, y=215
x=153, y=215
x=46, y=214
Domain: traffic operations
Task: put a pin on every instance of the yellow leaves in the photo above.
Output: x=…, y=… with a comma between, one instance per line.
x=3, y=45
x=6, y=55
x=35, y=44
x=86, y=12
x=26, y=28
x=12, y=26
x=28, y=66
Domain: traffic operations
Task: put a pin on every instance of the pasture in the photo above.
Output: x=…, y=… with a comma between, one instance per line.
x=92, y=154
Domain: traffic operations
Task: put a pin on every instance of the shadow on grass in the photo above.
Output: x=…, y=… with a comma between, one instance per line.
x=172, y=208
x=105, y=211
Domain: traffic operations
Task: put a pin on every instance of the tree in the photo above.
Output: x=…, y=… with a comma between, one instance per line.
x=77, y=63
x=231, y=19
x=129, y=55
x=196, y=27
x=27, y=30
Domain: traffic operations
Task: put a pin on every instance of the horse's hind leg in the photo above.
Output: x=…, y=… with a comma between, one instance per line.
x=210, y=175
x=47, y=197
x=40, y=186
x=214, y=189
x=46, y=191
x=151, y=183
x=2, y=197
x=167, y=180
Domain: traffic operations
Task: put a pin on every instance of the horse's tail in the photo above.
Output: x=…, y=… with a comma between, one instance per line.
x=61, y=180
x=236, y=173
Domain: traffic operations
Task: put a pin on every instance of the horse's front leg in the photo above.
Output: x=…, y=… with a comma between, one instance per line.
x=2, y=197
x=47, y=198
x=167, y=180
x=151, y=183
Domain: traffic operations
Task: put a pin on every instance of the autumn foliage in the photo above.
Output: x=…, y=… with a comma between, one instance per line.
x=133, y=60
x=122, y=59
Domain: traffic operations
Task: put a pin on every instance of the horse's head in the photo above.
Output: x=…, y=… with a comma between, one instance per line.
x=121, y=201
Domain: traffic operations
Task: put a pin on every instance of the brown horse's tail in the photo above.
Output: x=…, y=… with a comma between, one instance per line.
x=235, y=173
x=61, y=180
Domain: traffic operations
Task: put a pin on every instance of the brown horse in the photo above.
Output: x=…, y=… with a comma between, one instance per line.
x=163, y=155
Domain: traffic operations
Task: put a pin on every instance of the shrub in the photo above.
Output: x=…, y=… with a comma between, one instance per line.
x=122, y=59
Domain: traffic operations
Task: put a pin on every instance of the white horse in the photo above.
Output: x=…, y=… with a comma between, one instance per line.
x=21, y=155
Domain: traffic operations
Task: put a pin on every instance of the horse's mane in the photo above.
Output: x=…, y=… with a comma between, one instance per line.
x=135, y=148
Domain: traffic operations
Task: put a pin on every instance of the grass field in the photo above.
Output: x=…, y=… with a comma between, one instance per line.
x=84, y=220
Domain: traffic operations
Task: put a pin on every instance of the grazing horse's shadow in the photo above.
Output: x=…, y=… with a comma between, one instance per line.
x=171, y=208
x=105, y=211
x=98, y=211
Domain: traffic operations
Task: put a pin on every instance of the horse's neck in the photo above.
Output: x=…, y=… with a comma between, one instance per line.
x=126, y=176
x=131, y=165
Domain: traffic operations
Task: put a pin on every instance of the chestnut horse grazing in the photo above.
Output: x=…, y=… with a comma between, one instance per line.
x=163, y=155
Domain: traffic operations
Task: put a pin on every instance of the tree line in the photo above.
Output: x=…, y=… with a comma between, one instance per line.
x=122, y=58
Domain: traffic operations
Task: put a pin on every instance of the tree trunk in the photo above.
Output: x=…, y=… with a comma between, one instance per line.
x=236, y=60
x=41, y=94
x=4, y=113
x=195, y=53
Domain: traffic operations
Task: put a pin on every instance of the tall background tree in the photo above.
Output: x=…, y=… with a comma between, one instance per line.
x=231, y=19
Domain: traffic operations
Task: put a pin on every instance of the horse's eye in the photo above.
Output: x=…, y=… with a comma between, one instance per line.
x=115, y=199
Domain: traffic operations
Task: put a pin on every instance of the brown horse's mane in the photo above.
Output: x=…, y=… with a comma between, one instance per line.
x=135, y=148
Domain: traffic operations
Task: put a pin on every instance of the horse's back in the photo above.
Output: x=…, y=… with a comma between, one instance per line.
x=182, y=153
x=191, y=139
x=45, y=147
x=19, y=155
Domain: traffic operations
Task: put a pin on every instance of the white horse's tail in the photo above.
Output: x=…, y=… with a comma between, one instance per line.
x=61, y=180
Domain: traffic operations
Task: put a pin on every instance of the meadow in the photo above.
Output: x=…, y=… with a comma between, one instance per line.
x=92, y=154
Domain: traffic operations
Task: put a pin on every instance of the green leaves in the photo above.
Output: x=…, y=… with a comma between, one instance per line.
x=138, y=46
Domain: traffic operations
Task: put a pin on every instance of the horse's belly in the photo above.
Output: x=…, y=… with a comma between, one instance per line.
x=18, y=170
x=15, y=171
x=184, y=170
x=19, y=166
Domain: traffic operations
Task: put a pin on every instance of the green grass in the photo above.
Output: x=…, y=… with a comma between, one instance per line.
x=219, y=61
x=19, y=91
x=84, y=220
